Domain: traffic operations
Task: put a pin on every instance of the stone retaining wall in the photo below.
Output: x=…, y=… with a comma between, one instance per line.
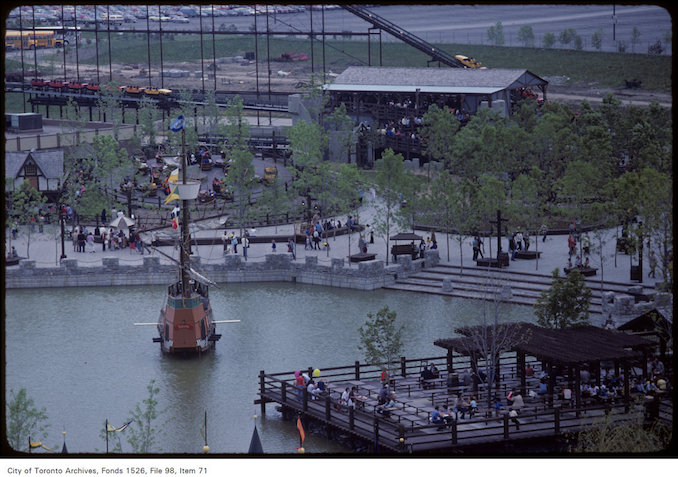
x=369, y=275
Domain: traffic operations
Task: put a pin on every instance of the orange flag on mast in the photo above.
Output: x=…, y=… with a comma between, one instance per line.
x=302, y=434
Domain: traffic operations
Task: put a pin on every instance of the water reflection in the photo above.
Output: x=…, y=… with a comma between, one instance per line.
x=78, y=354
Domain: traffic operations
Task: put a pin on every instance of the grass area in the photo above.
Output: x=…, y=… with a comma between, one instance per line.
x=580, y=67
x=604, y=69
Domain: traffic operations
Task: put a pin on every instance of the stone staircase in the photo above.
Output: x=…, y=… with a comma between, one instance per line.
x=473, y=282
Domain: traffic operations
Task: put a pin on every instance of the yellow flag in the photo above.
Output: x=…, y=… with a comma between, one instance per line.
x=174, y=176
x=173, y=195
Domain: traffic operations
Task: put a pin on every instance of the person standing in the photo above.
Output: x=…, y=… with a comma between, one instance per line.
x=512, y=247
x=290, y=248
x=519, y=240
x=245, y=245
x=90, y=242
x=653, y=264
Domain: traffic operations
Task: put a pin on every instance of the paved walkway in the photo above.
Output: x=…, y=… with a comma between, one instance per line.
x=45, y=249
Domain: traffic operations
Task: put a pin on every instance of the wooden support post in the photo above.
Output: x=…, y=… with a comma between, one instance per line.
x=556, y=420
x=262, y=390
x=506, y=426
x=403, y=366
x=551, y=384
x=305, y=399
x=351, y=418
x=577, y=390
x=376, y=432
x=521, y=372
x=454, y=432
x=627, y=387
x=357, y=371
x=283, y=393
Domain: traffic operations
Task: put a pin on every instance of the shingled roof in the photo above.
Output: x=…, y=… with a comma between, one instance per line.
x=568, y=347
x=433, y=80
x=50, y=162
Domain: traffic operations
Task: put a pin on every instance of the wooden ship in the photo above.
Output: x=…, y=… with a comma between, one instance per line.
x=186, y=324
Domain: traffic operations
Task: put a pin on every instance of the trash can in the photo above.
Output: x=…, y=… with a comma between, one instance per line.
x=503, y=258
x=635, y=273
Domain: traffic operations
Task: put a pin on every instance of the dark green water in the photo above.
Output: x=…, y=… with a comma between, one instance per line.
x=78, y=354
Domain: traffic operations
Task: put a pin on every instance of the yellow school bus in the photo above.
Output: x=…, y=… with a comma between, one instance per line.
x=29, y=39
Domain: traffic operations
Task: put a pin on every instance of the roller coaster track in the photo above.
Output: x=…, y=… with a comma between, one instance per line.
x=436, y=54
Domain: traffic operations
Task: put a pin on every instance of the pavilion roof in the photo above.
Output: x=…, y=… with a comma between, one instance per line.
x=566, y=347
x=433, y=80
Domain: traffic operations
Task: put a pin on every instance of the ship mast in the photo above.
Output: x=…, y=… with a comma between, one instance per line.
x=185, y=258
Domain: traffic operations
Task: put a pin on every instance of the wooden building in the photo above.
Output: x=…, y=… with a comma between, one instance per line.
x=391, y=101
x=44, y=170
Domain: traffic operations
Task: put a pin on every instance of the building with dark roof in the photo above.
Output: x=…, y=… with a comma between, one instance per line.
x=44, y=170
x=391, y=101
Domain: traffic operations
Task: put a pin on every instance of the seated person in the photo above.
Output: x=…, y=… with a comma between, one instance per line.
x=529, y=371
x=517, y=402
x=313, y=390
x=497, y=406
x=383, y=394
x=543, y=388
x=434, y=371
x=473, y=406
x=426, y=374
x=386, y=408
x=461, y=406
x=436, y=418
x=446, y=414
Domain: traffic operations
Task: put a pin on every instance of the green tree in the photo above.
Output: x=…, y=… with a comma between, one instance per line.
x=381, y=339
x=111, y=164
x=24, y=420
x=142, y=434
x=392, y=186
x=26, y=205
x=148, y=114
x=109, y=102
x=526, y=36
x=307, y=143
x=527, y=204
x=631, y=436
x=565, y=304
x=567, y=36
x=548, y=40
x=439, y=127
x=240, y=179
x=340, y=125
x=597, y=39
x=635, y=38
x=496, y=34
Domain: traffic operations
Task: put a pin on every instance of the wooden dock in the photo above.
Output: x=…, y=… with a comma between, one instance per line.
x=408, y=429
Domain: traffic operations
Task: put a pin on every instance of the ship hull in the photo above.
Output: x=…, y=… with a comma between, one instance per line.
x=185, y=324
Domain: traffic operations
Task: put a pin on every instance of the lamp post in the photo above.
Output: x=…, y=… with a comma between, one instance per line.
x=61, y=222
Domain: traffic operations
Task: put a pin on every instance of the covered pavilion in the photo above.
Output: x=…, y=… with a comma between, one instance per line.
x=559, y=350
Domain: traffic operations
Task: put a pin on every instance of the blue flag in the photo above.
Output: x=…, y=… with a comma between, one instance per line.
x=178, y=124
